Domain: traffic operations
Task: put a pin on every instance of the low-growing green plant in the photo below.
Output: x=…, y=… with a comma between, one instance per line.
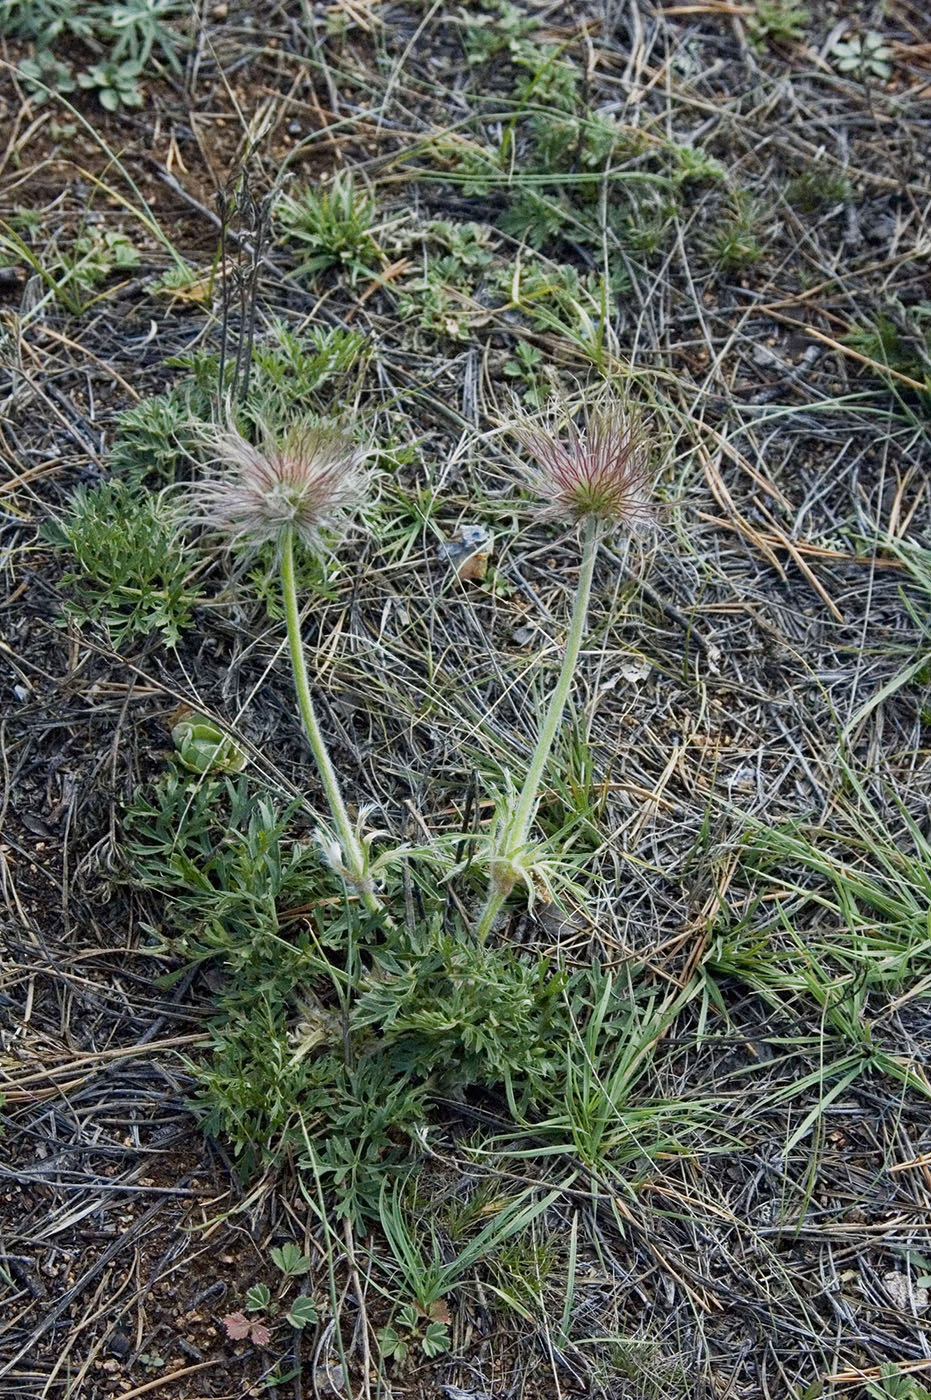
x=45, y=21
x=916, y=670
x=692, y=163
x=289, y=370
x=323, y=1031
x=152, y=439
x=140, y=28
x=555, y=297
x=442, y=1005
x=535, y=217
x=899, y=339
x=115, y=84
x=73, y=276
x=135, y=574
x=96, y=254
x=817, y=189
x=299, y=1312
x=442, y=298
x=546, y=81
x=116, y=42
x=204, y=748
x=500, y=29
x=345, y=1008
x=185, y=283
x=43, y=75
x=411, y=1327
x=291, y=1260
x=777, y=22
x=332, y=227
x=735, y=244
x=605, y=1058
x=895, y=1383
x=526, y=365
x=647, y=227
x=863, y=56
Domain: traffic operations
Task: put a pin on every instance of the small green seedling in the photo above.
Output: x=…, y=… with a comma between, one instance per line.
x=413, y=1327
x=301, y=1311
x=45, y=75
x=290, y=1260
x=863, y=56
x=116, y=84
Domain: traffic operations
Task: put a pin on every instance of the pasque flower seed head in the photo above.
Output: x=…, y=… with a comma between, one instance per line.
x=305, y=482
x=601, y=470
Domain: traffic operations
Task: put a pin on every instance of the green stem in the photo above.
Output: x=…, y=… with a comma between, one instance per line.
x=518, y=827
x=349, y=841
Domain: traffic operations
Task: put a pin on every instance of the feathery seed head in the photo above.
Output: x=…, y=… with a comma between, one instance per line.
x=601, y=470
x=307, y=481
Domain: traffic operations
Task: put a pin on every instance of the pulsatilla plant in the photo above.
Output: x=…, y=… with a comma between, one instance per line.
x=341, y=1021
x=286, y=492
x=598, y=478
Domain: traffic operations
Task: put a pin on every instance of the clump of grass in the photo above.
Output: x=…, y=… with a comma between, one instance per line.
x=836, y=919
x=734, y=244
x=332, y=227
x=777, y=22
x=815, y=190
x=899, y=339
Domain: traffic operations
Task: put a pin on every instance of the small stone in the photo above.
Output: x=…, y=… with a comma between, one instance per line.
x=906, y=1295
x=636, y=669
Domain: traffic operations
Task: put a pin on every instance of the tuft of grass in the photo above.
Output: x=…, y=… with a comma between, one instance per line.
x=734, y=244
x=836, y=921
x=778, y=22
x=331, y=227
x=815, y=190
x=900, y=340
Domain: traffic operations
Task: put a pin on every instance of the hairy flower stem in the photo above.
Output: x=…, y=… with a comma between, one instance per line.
x=349, y=841
x=518, y=827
